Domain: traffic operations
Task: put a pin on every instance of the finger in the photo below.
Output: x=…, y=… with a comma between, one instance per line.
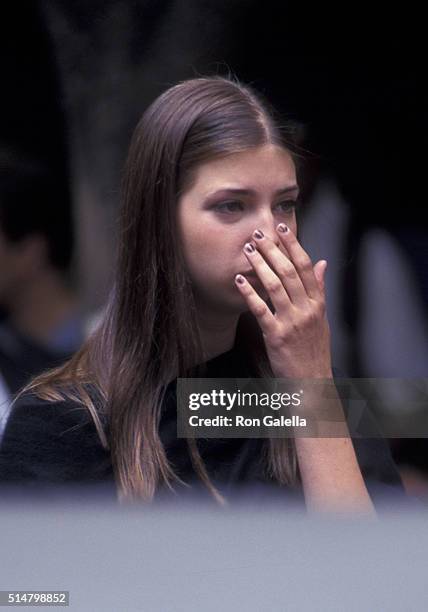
x=301, y=260
x=271, y=282
x=283, y=267
x=256, y=305
x=319, y=270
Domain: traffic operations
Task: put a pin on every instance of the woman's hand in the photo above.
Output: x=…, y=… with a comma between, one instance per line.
x=297, y=336
x=297, y=339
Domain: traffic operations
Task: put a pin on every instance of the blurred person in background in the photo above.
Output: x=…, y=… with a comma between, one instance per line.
x=41, y=324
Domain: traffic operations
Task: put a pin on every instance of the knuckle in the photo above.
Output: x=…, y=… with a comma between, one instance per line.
x=276, y=344
x=317, y=306
x=282, y=271
x=282, y=333
x=321, y=307
x=311, y=317
x=287, y=272
x=304, y=263
x=260, y=310
x=278, y=339
x=304, y=321
x=274, y=286
x=290, y=272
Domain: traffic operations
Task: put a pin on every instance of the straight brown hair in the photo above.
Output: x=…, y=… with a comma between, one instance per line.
x=147, y=336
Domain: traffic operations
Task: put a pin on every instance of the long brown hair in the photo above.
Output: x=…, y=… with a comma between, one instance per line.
x=147, y=336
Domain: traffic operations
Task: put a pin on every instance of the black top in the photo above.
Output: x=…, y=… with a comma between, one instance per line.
x=49, y=446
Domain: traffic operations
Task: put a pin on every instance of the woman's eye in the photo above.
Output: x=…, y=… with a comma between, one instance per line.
x=288, y=206
x=229, y=207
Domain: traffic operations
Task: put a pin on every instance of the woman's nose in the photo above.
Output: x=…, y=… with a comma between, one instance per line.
x=267, y=225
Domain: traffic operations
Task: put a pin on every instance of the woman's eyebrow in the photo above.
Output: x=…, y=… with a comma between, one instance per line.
x=248, y=191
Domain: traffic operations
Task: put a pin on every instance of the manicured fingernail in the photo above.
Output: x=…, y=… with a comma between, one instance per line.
x=240, y=279
x=258, y=234
x=249, y=248
x=282, y=228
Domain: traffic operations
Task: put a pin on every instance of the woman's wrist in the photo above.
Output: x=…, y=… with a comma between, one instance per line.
x=331, y=477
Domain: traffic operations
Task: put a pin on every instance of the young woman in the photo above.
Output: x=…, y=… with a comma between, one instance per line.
x=210, y=279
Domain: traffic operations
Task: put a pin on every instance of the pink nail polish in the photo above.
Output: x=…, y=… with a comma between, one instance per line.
x=282, y=228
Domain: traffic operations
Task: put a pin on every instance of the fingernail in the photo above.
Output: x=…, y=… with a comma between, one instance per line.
x=282, y=228
x=249, y=248
x=258, y=234
x=240, y=279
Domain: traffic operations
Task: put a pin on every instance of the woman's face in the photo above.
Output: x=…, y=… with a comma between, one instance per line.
x=230, y=197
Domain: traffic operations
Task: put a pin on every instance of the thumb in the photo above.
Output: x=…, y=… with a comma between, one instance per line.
x=319, y=270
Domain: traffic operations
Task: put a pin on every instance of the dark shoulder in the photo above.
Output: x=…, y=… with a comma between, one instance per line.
x=32, y=416
x=52, y=441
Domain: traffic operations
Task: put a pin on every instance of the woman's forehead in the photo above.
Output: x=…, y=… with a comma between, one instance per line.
x=261, y=168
